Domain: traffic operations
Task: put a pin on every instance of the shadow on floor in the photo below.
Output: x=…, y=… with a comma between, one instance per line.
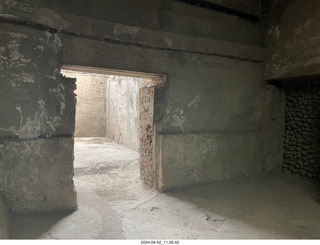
x=38, y=225
x=278, y=204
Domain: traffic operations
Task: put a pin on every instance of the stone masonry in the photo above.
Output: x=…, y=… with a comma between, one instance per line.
x=302, y=138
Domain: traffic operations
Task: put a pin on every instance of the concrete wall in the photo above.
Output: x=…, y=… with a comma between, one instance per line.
x=37, y=109
x=91, y=104
x=204, y=94
x=108, y=106
x=214, y=90
x=160, y=15
x=4, y=221
x=292, y=39
x=122, y=107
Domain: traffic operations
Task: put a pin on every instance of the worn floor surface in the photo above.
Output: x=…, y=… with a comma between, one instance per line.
x=113, y=204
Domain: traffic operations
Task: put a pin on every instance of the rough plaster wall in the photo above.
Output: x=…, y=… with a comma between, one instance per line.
x=212, y=95
x=302, y=134
x=35, y=102
x=37, y=175
x=122, y=106
x=292, y=38
x=273, y=127
x=204, y=94
x=292, y=41
x=91, y=109
x=202, y=158
x=168, y=15
x=4, y=221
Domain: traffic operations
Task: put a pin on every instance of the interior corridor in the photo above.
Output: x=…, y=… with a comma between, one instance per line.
x=114, y=204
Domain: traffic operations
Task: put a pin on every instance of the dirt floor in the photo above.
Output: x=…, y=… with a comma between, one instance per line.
x=114, y=204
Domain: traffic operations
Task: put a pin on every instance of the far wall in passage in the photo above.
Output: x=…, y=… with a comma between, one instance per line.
x=108, y=106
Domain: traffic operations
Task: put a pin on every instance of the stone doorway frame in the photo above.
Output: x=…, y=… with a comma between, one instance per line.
x=150, y=173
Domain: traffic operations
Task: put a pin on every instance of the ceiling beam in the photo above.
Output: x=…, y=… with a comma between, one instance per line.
x=243, y=8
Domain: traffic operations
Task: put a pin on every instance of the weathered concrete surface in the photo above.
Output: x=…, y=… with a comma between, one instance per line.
x=203, y=94
x=122, y=110
x=114, y=204
x=273, y=127
x=293, y=43
x=251, y=7
x=177, y=17
x=214, y=86
x=203, y=158
x=37, y=175
x=4, y=221
x=91, y=104
x=164, y=16
x=36, y=102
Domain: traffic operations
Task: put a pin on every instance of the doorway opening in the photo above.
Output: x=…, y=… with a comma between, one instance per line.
x=114, y=120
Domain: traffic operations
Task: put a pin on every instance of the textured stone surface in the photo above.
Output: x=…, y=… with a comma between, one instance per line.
x=36, y=103
x=34, y=98
x=4, y=221
x=203, y=158
x=168, y=16
x=203, y=94
x=37, y=175
x=91, y=105
x=273, y=127
x=146, y=105
x=302, y=134
x=214, y=87
x=122, y=107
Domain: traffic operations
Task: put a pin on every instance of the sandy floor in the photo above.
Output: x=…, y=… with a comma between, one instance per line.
x=113, y=204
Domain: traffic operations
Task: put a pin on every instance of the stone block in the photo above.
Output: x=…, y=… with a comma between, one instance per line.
x=37, y=175
x=203, y=158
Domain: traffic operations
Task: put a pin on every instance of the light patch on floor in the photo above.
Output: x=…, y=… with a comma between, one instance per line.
x=114, y=204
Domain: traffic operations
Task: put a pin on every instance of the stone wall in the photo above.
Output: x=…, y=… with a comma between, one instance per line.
x=146, y=114
x=161, y=15
x=302, y=134
x=122, y=107
x=37, y=110
x=91, y=104
x=292, y=39
x=214, y=89
x=4, y=221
